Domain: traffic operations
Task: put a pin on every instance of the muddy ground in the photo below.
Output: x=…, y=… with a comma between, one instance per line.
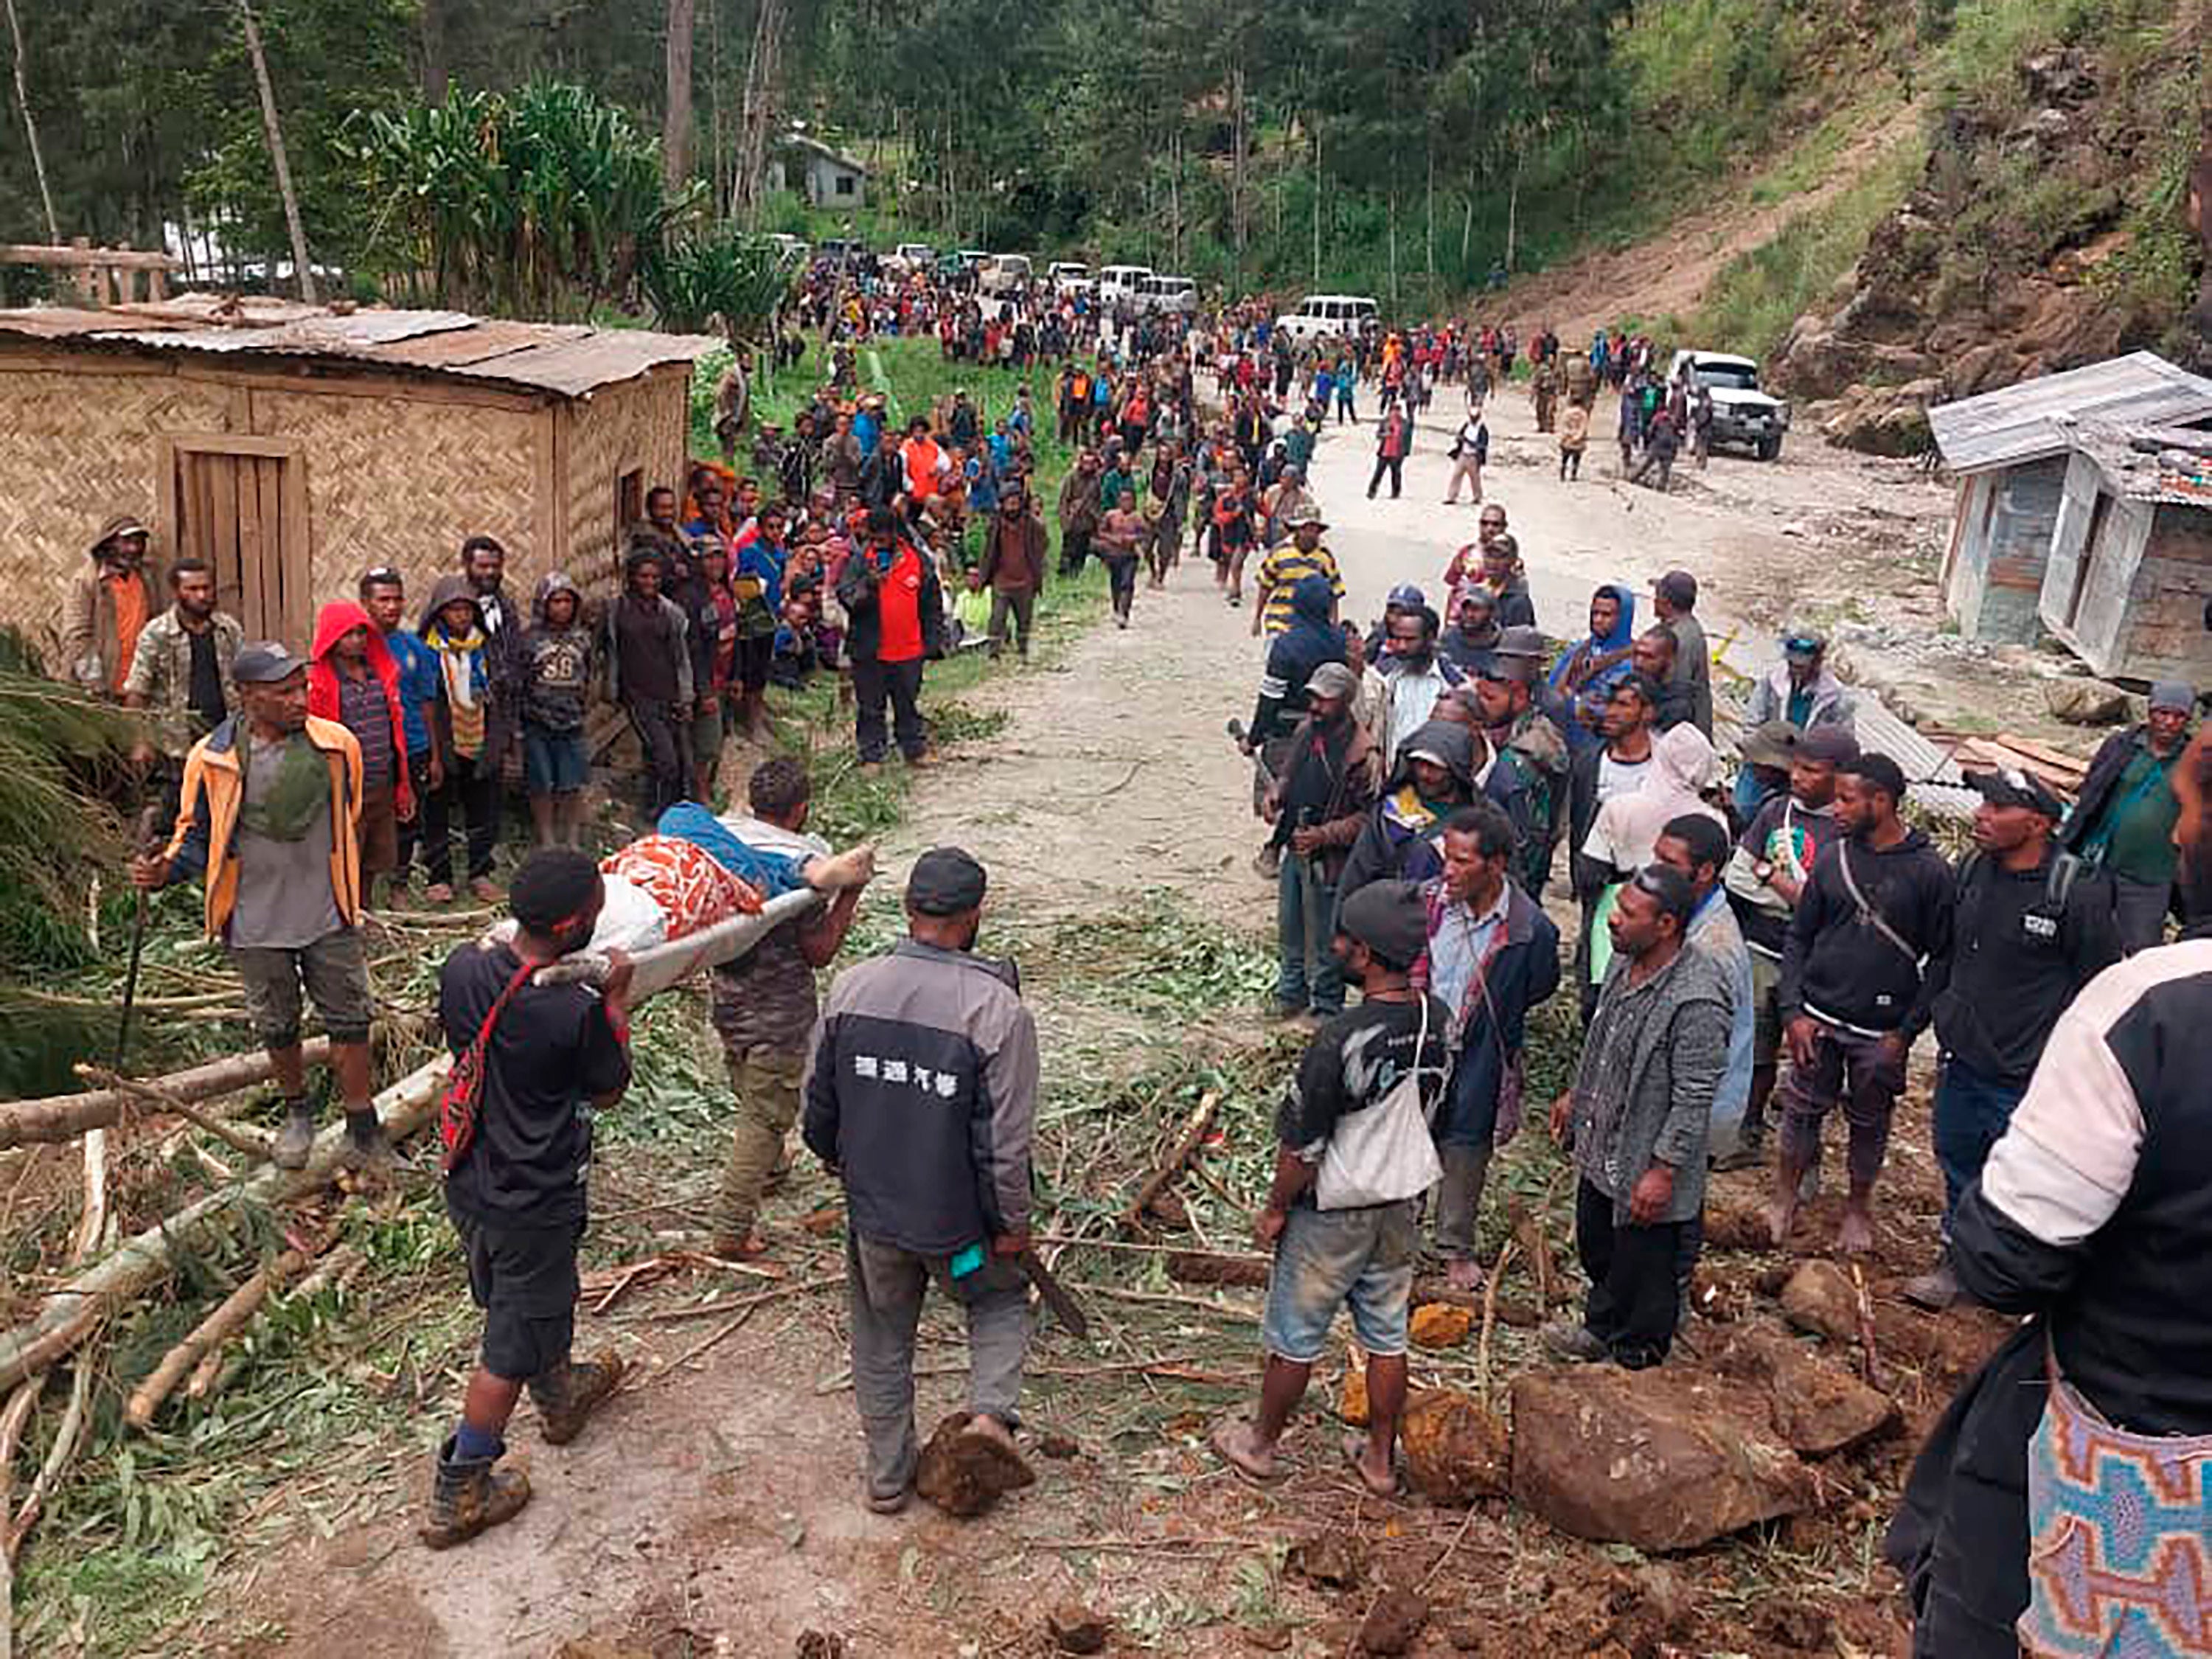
x=714, y=1511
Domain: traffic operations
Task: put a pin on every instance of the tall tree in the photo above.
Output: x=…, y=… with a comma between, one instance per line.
x=31, y=124
x=676, y=131
x=278, y=155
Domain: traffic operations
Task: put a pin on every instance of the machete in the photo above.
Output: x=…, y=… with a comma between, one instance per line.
x=1064, y=1307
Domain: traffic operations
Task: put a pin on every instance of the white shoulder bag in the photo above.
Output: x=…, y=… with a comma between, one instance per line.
x=1383, y=1153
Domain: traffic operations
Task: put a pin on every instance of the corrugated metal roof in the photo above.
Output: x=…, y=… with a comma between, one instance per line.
x=567, y=359
x=2027, y=422
x=2164, y=466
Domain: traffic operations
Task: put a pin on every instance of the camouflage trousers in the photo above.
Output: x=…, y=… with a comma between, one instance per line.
x=766, y=1081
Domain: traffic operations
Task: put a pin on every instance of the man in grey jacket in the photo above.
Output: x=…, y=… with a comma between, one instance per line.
x=1637, y=1119
x=649, y=676
x=921, y=1097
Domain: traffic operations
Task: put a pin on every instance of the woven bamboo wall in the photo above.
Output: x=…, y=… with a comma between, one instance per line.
x=393, y=481
x=75, y=450
x=639, y=423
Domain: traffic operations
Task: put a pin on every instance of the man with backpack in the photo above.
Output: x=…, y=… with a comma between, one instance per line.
x=1343, y=1211
x=1854, y=993
x=2031, y=926
x=531, y=1062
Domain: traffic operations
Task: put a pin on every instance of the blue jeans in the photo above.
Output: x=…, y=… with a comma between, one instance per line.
x=1305, y=921
x=1970, y=1112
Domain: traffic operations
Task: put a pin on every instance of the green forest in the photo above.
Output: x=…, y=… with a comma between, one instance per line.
x=1416, y=152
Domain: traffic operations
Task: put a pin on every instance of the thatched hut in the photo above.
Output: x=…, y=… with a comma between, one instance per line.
x=294, y=446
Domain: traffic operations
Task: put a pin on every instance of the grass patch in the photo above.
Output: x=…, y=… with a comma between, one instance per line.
x=1756, y=298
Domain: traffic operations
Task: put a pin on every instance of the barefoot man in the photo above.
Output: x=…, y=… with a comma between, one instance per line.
x=1364, y=1063
x=1875, y=912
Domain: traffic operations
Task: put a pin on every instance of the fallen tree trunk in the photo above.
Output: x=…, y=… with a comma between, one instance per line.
x=207, y=1335
x=64, y=1117
x=146, y=1258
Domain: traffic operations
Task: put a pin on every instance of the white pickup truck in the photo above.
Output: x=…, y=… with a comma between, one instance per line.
x=1743, y=412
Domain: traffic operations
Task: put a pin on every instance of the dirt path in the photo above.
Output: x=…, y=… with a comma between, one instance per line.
x=1667, y=274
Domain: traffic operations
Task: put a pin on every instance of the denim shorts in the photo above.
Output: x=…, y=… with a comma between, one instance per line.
x=553, y=763
x=1327, y=1258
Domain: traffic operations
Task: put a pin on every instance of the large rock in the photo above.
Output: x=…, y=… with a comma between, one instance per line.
x=1820, y=1298
x=1820, y=1408
x=1649, y=1458
x=1456, y=1451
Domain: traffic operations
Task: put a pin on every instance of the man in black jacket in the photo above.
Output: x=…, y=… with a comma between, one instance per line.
x=2026, y=934
x=1595, y=775
x=2094, y=1216
x=1853, y=998
x=2123, y=820
x=1331, y=770
x=922, y=1098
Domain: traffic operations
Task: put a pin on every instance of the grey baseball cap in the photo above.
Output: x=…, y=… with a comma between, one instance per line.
x=265, y=662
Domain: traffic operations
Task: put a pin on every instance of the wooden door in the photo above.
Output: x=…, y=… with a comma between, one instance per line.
x=239, y=504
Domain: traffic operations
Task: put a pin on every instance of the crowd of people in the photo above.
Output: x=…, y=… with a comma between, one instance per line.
x=1745, y=948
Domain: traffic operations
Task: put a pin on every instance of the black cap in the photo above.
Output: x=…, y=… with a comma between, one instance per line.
x=945, y=881
x=1388, y=918
x=2010, y=786
x=264, y=663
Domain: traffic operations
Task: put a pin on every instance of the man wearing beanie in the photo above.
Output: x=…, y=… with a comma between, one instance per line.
x=2123, y=822
x=1386, y=1056
x=921, y=1097
x=542, y=1058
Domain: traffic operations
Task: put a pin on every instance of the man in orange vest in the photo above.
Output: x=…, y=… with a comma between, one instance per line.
x=268, y=823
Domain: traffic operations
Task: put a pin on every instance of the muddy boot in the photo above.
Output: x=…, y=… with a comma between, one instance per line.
x=297, y=1138
x=367, y=1150
x=567, y=1394
x=469, y=1494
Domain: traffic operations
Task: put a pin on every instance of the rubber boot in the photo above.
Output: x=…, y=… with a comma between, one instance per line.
x=365, y=1148
x=297, y=1138
x=469, y=1494
x=566, y=1395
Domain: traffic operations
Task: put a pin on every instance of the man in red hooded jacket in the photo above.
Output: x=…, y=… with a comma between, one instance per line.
x=354, y=680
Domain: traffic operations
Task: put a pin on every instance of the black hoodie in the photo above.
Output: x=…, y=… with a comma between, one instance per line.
x=1838, y=965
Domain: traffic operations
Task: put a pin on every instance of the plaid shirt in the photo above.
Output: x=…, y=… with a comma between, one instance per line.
x=161, y=673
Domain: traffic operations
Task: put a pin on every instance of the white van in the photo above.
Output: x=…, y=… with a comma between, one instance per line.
x=1068, y=276
x=1322, y=314
x=1119, y=282
x=1005, y=273
x=1176, y=296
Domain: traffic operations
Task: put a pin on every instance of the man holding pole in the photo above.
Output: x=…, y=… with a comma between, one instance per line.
x=268, y=823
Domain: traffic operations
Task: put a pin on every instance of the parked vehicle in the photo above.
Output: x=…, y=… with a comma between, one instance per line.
x=1743, y=413
x=1174, y=295
x=1320, y=315
x=848, y=251
x=1068, y=276
x=1119, y=282
x=789, y=249
x=909, y=257
x=1005, y=273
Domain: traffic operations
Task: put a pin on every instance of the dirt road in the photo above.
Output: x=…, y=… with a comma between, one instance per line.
x=714, y=1511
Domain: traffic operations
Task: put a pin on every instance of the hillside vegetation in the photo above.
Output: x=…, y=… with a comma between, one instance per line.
x=1721, y=149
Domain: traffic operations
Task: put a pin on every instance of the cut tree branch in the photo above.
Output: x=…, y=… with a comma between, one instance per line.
x=64, y=1117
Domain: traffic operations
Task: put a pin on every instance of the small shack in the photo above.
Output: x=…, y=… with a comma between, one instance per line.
x=2130, y=570
x=826, y=177
x=2010, y=451
x=294, y=447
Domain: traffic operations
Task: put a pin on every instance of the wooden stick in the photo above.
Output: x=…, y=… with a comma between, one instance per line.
x=1865, y=1327
x=1450, y=1549
x=243, y=1141
x=669, y=1316
x=1201, y=1119
x=1489, y=1321
x=64, y=1117
x=207, y=1335
x=1158, y=1299
x=58, y=1458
